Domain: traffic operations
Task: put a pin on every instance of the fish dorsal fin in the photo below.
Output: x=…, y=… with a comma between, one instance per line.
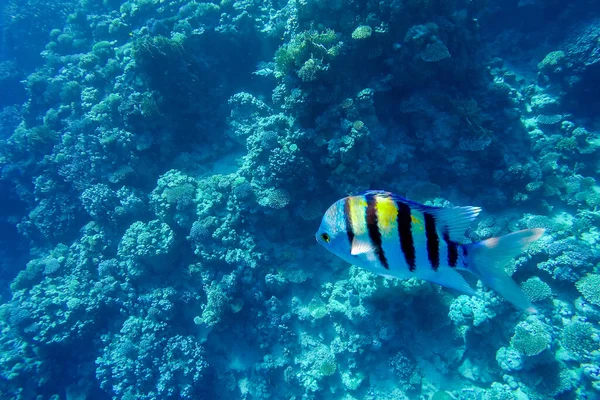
x=360, y=246
x=454, y=220
x=451, y=220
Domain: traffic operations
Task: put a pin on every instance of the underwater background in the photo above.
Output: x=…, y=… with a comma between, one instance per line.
x=165, y=164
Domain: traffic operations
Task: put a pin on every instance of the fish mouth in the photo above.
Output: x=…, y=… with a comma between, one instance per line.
x=318, y=238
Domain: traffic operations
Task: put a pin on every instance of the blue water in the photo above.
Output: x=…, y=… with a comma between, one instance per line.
x=164, y=166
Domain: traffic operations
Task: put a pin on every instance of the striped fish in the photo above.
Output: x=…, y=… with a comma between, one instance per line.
x=395, y=237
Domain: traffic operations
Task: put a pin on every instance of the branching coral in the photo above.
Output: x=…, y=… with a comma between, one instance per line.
x=125, y=366
x=146, y=245
x=174, y=197
x=324, y=45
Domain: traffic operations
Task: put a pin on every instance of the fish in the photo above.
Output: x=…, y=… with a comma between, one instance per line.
x=398, y=238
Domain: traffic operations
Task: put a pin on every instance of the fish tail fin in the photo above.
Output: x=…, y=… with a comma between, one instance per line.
x=487, y=259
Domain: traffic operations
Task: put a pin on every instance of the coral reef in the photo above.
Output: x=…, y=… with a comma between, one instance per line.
x=164, y=165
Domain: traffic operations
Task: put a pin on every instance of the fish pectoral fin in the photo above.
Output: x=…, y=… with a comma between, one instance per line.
x=360, y=246
x=451, y=279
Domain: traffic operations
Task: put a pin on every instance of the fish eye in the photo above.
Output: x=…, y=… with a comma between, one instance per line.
x=325, y=237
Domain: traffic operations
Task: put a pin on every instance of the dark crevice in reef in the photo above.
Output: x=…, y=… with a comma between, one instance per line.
x=582, y=98
x=193, y=78
x=14, y=251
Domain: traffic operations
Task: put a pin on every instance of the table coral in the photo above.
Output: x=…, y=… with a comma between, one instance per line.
x=531, y=337
x=580, y=339
x=536, y=290
x=589, y=287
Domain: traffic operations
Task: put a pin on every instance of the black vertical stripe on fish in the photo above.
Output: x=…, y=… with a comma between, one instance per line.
x=374, y=233
x=465, y=256
x=348, y=217
x=452, y=249
x=433, y=241
x=407, y=244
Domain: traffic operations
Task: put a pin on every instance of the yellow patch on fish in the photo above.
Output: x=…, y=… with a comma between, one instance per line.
x=417, y=224
x=358, y=208
x=387, y=211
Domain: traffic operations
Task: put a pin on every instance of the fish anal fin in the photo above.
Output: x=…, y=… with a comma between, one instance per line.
x=451, y=279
